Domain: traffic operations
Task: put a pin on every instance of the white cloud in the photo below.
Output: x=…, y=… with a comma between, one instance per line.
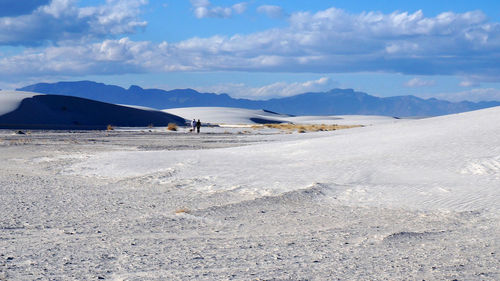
x=204, y=9
x=271, y=11
x=107, y=57
x=64, y=20
x=274, y=90
x=328, y=41
x=419, y=83
x=240, y=8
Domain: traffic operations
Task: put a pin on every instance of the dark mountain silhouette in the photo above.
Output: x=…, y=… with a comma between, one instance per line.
x=334, y=102
x=134, y=95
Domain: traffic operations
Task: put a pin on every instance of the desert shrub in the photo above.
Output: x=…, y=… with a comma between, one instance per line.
x=172, y=127
x=302, y=128
x=182, y=211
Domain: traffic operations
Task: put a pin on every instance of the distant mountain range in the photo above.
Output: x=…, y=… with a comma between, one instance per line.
x=333, y=102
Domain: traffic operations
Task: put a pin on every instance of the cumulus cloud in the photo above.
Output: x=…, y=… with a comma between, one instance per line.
x=274, y=90
x=328, y=41
x=271, y=11
x=107, y=57
x=419, y=83
x=204, y=9
x=240, y=8
x=335, y=41
x=475, y=79
x=64, y=20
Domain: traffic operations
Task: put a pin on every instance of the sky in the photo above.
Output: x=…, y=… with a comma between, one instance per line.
x=257, y=49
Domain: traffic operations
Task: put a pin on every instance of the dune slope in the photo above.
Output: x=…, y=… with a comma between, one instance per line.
x=448, y=162
x=24, y=110
x=241, y=116
x=228, y=115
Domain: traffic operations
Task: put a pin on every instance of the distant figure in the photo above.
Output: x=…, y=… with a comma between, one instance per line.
x=198, y=125
x=193, y=125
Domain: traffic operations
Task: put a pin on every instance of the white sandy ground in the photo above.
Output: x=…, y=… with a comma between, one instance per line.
x=450, y=162
x=412, y=200
x=240, y=116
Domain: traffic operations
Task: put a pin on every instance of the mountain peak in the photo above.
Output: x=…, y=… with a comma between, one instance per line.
x=135, y=88
x=339, y=90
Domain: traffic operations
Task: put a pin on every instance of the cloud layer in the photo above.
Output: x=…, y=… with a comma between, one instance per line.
x=62, y=20
x=327, y=41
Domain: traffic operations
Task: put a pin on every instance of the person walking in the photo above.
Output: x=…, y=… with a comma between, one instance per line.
x=193, y=125
x=198, y=125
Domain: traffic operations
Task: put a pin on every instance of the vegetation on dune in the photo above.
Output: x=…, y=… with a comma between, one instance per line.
x=302, y=128
x=182, y=211
x=172, y=127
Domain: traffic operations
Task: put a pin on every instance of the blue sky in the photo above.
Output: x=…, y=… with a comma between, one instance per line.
x=257, y=49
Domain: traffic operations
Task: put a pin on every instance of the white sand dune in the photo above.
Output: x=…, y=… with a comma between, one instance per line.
x=365, y=120
x=449, y=162
x=10, y=100
x=36, y=111
x=240, y=116
x=228, y=115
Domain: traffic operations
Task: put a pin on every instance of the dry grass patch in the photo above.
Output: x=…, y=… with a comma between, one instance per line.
x=303, y=128
x=182, y=211
x=172, y=127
